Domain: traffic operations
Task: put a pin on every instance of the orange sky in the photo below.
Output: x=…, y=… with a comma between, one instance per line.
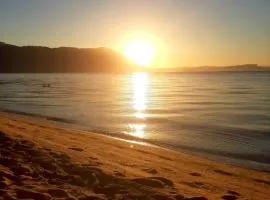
x=185, y=33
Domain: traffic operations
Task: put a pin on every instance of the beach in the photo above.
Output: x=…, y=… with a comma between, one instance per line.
x=211, y=115
x=43, y=160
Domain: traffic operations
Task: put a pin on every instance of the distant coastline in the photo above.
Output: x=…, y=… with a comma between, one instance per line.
x=236, y=68
x=38, y=59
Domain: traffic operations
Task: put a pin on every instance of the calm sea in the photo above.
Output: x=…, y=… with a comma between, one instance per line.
x=222, y=115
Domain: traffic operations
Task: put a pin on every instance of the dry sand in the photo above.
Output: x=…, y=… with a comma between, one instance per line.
x=40, y=160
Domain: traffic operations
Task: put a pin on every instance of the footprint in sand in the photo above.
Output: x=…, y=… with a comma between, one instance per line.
x=75, y=149
x=229, y=197
x=196, y=198
x=223, y=172
x=261, y=181
x=156, y=182
x=29, y=168
x=150, y=170
x=59, y=193
x=93, y=158
x=117, y=173
x=232, y=195
x=195, y=174
x=30, y=194
x=197, y=184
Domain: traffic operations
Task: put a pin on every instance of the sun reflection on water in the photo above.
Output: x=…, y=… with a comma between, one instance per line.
x=137, y=130
x=139, y=85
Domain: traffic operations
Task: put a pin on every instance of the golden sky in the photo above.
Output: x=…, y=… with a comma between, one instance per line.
x=183, y=33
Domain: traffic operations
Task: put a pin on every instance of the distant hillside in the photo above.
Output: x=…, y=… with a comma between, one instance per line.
x=35, y=59
x=237, y=68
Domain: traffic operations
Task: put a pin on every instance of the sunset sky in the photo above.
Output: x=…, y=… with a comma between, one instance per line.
x=183, y=32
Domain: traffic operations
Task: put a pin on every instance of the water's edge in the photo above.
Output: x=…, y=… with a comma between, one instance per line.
x=254, y=162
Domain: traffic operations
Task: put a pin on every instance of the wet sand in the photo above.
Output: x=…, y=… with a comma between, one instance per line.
x=41, y=160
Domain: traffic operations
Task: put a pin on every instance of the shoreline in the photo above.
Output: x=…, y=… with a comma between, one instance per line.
x=222, y=157
x=52, y=162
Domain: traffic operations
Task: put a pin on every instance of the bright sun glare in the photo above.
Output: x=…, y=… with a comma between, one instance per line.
x=140, y=51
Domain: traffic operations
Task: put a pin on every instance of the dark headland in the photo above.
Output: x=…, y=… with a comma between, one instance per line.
x=37, y=59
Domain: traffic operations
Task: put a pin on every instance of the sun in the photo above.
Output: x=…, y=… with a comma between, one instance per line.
x=140, y=51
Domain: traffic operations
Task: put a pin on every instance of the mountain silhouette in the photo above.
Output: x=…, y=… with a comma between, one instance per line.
x=37, y=59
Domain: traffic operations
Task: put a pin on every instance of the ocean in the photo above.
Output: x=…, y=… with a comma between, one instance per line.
x=220, y=115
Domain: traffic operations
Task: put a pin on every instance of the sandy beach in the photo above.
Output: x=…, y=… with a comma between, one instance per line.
x=41, y=160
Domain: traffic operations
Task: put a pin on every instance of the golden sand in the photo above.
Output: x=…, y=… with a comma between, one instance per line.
x=41, y=160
